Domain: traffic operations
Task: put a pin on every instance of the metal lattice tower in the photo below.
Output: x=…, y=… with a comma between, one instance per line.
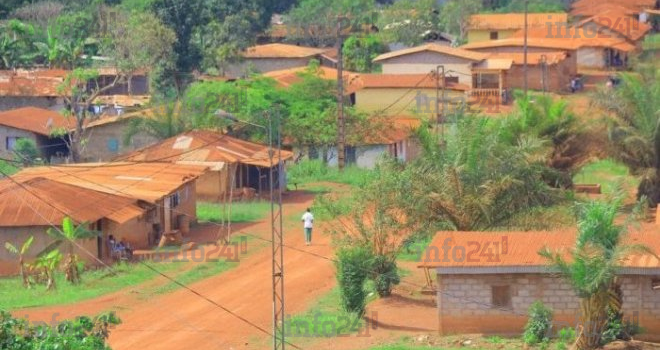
x=277, y=239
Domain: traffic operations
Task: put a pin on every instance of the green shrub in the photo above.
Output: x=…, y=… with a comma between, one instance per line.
x=353, y=265
x=539, y=323
x=618, y=328
x=566, y=335
x=385, y=274
x=83, y=333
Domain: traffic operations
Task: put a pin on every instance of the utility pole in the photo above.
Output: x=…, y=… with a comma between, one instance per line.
x=277, y=239
x=525, y=50
x=440, y=116
x=341, y=137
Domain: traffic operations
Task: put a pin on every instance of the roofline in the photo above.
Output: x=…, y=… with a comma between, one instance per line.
x=480, y=270
x=424, y=48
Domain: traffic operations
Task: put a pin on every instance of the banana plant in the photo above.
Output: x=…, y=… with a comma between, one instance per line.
x=21, y=257
x=67, y=236
x=47, y=262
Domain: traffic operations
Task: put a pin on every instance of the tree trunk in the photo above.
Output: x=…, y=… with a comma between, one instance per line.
x=594, y=320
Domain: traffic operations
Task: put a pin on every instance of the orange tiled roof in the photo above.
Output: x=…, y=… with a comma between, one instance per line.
x=626, y=26
x=31, y=83
x=40, y=201
x=638, y=5
x=206, y=147
x=578, y=36
x=282, y=51
x=37, y=120
x=588, y=11
x=408, y=81
x=446, y=50
x=149, y=182
x=519, y=250
x=512, y=21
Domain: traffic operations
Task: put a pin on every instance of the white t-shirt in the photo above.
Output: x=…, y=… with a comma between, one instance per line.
x=308, y=220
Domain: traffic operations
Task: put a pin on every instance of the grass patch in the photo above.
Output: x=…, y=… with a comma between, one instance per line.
x=100, y=282
x=94, y=284
x=325, y=320
x=240, y=211
x=309, y=171
x=608, y=173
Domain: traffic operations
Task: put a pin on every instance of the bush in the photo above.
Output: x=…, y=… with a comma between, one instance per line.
x=83, y=333
x=618, y=328
x=385, y=275
x=353, y=266
x=539, y=324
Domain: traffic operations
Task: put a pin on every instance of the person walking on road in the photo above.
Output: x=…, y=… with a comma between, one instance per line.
x=308, y=223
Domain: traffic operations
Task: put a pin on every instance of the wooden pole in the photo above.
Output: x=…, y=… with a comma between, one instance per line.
x=341, y=137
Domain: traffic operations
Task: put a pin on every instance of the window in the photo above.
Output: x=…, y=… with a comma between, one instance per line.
x=113, y=145
x=655, y=284
x=10, y=143
x=494, y=35
x=174, y=200
x=501, y=296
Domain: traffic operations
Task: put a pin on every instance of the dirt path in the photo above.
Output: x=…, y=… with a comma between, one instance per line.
x=183, y=320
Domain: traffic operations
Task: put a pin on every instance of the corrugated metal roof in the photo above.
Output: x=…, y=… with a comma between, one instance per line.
x=613, y=20
x=287, y=77
x=441, y=49
x=37, y=120
x=31, y=83
x=632, y=4
x=509, y=21
x=589, y=11
x=519, y=250
x=206, y=146
x=282, y=51
x=39, y=201
x=149, y=182
x=532, y=57
x=495, y=64
x=570, y=43
x=578, y=36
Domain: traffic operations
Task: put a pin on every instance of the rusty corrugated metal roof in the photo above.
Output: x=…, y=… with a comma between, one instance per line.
x=40, y=201
x=509, y=21
x=149, y=182
x=617, y=22
x=441, y=49
x=520, y=249
x=407, y=81
x=37, y=120
x=205, y=146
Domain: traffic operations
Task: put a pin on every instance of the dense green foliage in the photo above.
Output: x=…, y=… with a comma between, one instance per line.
x=635, y=131
x=359, y=53
x=353, y=266
x=409, y=21
x=83, y=333
x=538, y=324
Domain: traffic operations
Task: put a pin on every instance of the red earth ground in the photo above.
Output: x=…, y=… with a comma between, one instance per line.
x=181, y=319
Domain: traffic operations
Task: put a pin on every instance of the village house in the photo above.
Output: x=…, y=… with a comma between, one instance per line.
x=271, y=57
x=550, y=71
x=591, y=52
x=426, y=58
x=107, y=135
x=41, y=88
x=45, y=127
x=34, y=204
x=486, y=281
x=487, y=27
x=395, y=138
x=232, y=163
x=152, y=199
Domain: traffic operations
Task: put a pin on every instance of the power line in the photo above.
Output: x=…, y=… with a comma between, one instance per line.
x=148, y=266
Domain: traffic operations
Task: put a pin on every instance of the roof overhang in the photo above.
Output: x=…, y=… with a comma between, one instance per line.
x=499, y=270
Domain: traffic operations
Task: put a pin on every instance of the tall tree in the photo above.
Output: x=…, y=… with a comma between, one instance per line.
x=635, y=130
x=359, y=53
x=409, y=21
x=455, y=16
x=136, y=45
x=593, y=266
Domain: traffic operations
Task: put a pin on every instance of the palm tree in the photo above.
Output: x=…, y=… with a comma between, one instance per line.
x=68, y=235
x=167, y=120
x=593, y=265
x=21, y=257
x=475, y=181
x=635, y=131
